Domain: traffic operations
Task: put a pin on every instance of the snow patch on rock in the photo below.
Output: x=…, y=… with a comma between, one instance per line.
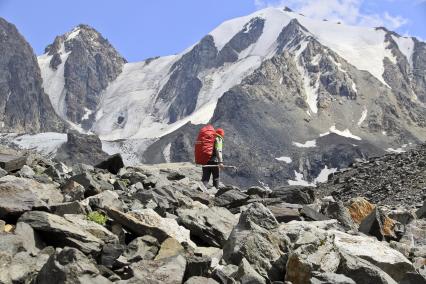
x=287, y=160
x=307, y=144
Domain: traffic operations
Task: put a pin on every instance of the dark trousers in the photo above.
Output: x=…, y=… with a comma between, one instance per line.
x=211, y=171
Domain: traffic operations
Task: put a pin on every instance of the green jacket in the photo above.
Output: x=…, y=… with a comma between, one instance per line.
x=217, y=153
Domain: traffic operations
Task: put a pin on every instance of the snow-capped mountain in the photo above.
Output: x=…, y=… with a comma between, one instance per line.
x=76, y=68
x=296, y=96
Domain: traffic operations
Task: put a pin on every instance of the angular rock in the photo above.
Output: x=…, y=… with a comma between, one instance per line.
x=246, y=274
x=169, y=270
x=310, y=214
x=31, y=241
x=18, y=195
x=421, y=213
x=312, y=253
x=314, y=245
x=285, y=212
x=231, y=199
x=197, y=266
x=91, y=227
x=91, y=185
x=142, y=248
x=148, y=222
x=338, y=211
x=26, y=172
x=413, y=278
x=258, y=214
x=58, y=231
x=415, y=236
x=212, y=225
x=170, y=247
x=175, y=176
x=259, y=191
x=113, y=164
x=362, y=271
x=261, y=248
x=294, y=194
x=390, y=261
x=104, y=199
x=359, y=209
x=70, y=208
x=110, y=253
x=224, y=274
x=378, y=225
x=73, y=191
x=330, y=278
x=25, y=266
x=200, y=280
x=69, y=265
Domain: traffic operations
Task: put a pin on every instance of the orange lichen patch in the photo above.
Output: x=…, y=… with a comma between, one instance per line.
x=360, y=208
x=388, y=225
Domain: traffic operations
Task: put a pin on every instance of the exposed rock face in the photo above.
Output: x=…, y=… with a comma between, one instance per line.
x=81, y=148
x=24, y=106
x=18, y=195
x=90, y=64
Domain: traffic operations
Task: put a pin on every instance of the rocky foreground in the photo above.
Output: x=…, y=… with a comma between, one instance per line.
x=158, y=224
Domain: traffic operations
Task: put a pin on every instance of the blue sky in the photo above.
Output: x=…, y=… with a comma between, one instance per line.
x=141, y=29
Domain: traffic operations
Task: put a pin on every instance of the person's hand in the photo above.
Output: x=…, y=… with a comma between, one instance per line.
x=221, y=167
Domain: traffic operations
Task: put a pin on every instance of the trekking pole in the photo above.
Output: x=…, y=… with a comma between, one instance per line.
x=215, y=166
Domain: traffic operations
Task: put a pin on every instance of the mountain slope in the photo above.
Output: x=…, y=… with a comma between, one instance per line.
x=24, y=107
x=297, y=97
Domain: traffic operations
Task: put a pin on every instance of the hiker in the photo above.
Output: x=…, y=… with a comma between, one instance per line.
x=208, y=152
x=215, y=160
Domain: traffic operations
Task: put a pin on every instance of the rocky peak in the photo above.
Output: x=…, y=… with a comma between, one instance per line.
x=90, y=64
x=24, y=107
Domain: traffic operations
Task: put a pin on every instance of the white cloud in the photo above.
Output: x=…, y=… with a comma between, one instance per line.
x=346, y=11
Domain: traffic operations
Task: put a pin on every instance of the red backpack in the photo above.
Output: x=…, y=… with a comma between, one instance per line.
x=204, y=145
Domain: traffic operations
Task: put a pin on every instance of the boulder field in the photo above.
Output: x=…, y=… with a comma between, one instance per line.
x=159, y=224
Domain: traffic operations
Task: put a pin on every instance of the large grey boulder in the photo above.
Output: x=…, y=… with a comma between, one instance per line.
x=415, y=237
x=338, y=211
x=18, y=195
x=246, y=274
x=91, y=227
x=69, y=266
x=142, y=248
x=200, y=280
x=81, y=148
x=379, y=225
x=113, y=164
x=91, y=183
x=60, y=232
x=169, y=270
x=253, y=240
x=148, y=222
x=231, y=199
x=362, y=271
x=212, y=225
x=294, y=194
x=315, y=247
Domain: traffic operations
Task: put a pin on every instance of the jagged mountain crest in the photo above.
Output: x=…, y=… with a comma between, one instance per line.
x=86, y=63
